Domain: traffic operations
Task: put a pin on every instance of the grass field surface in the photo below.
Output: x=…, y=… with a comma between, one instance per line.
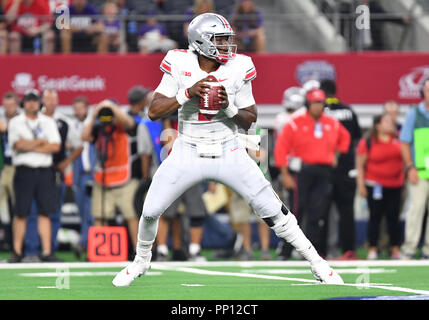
x=215, y=280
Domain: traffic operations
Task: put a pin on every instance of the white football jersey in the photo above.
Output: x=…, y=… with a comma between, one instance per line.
x=182, y=70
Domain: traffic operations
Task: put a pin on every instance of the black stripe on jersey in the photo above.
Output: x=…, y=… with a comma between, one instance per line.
x=250, y=79
x=251, y=70
x=164, y=70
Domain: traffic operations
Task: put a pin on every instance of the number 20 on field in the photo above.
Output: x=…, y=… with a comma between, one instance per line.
x=107, y=244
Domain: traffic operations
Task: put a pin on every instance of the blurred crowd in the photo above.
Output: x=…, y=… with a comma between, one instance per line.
x=66, y=26
x=316, y=157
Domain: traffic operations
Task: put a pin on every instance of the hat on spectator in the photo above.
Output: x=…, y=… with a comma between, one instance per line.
x=31, y=94
x=316, y=95
x=137, y=94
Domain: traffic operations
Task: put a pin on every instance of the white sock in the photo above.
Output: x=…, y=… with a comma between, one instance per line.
x=286, y=227
x=144, y=248
x=162, y=249
x=194, y=248
x=304, y=247
x=148, y=228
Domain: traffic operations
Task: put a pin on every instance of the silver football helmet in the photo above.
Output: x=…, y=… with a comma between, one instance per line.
x=310, y=85
x=202, y=33
x=293, y=99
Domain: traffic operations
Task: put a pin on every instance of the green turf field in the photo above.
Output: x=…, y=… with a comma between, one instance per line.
x=215, y=280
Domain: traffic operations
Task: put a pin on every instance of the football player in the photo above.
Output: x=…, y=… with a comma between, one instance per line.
x=209, y=147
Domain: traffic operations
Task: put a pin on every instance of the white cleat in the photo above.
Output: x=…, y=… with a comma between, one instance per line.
x=325, y=274
x=134, y=270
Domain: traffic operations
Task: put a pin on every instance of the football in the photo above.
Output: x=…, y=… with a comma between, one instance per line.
x=209, y=105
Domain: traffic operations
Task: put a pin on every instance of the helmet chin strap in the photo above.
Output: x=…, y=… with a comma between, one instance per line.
x=222, y=58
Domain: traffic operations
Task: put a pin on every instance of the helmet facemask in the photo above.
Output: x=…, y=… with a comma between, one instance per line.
x=217, y=48
x=225, y=49
x=204, y=33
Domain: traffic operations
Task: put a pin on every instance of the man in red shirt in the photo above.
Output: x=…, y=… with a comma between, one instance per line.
x=313, y=139
x=30, y=24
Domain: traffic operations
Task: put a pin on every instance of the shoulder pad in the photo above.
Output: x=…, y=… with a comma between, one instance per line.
x=171, y=58
x=165, y=65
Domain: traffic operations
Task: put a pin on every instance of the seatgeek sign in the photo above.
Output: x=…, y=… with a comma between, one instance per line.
x=362, y=78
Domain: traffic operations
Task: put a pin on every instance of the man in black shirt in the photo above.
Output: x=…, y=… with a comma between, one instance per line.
x=344, y=174
x=62, y=159
x=140, y=143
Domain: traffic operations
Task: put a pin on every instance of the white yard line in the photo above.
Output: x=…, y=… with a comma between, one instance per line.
x=308, y=271
x=398, y=289
x=80, y=274
x=240, y=274
x=62, y=265
x=189, y=267
x=354, y=263
x=269, y=277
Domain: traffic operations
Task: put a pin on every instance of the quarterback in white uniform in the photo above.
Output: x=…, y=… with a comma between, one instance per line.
x=208, y=146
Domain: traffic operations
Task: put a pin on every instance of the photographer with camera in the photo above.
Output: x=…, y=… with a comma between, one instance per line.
x=108, y=129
